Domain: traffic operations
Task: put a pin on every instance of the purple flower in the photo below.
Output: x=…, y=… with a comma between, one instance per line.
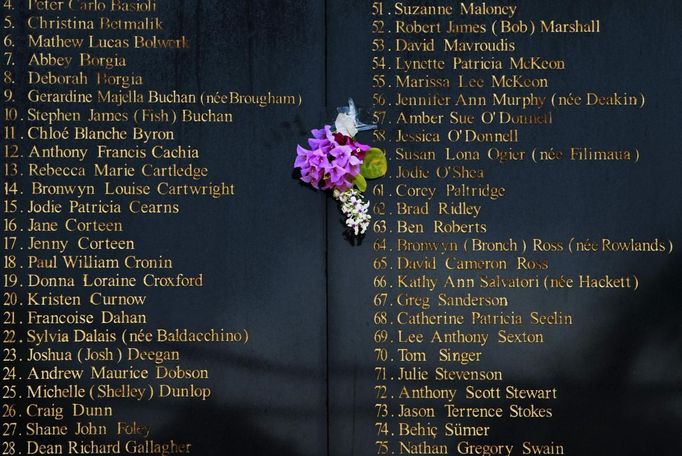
x=345, y=167
x=313, y=165
x=333, y=162
x=322, y=139
x=347, y=140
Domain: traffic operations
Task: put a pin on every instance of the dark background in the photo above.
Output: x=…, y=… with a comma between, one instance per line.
x=617, y=369
x=262, y=251
x=275, y=260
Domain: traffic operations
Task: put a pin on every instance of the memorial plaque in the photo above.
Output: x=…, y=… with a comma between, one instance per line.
x=255, y=227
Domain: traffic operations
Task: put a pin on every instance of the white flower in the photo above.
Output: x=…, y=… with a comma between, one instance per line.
x=345, y=125
x=356, y=212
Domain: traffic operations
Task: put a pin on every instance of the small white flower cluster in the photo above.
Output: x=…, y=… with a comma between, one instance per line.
x=355, y=209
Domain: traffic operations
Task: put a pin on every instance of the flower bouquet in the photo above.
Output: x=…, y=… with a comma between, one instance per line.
x=337, y=163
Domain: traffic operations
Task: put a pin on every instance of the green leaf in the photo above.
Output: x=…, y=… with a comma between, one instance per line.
x=360, y=183
x=374, y=165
